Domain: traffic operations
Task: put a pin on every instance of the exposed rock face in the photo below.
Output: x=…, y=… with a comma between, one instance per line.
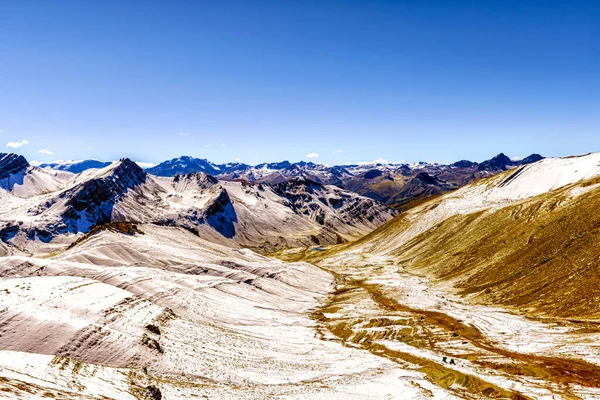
x=95, y=199
x=199, y=179
x=499, y=163
x=316, y=201
x=531, y=159
x=464, y=164
x=10, y=164
x=423, y=185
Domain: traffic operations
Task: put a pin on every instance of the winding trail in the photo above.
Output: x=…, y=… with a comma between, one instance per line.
x=368, y=311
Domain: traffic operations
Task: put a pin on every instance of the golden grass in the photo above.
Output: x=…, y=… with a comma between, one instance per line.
x=124, y=227
x=540, y=256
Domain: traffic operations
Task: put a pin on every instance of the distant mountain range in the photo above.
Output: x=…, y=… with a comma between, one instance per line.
x=263, y=216
x=75, y=166
x=395, y=184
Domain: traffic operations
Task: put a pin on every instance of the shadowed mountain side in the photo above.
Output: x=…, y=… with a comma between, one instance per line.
x=12, y=170
x=23, y=180
x=221, y=215
x=11, y=164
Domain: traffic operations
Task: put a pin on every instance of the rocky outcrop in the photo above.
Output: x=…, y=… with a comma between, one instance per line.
x=11, y=164
x=328, y=206
x=92, y=202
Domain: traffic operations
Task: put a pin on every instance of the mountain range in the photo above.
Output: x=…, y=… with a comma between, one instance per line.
x=43, y=204
x=398, y=185
x=117, y=283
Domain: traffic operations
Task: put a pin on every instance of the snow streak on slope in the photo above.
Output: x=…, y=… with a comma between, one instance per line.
x=171, y=316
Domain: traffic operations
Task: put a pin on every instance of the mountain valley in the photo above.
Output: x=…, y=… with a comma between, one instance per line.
x=117, y=283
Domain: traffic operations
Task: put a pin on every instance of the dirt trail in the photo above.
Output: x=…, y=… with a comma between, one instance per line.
x=456, y=356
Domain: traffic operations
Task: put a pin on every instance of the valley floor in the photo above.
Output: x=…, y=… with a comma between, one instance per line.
x=165, y=315
x=472, y=351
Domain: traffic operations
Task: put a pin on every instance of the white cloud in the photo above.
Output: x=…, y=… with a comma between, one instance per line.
x=517, y=158
x=183, y=134
x=222, y=144
x=208, y=145
x=312, y=155
x=145, y=164
x=89, y=147
x=16, y=145
x=339, y=151
x=46, y=152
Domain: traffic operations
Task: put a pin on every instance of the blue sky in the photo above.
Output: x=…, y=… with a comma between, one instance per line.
x=272, y=80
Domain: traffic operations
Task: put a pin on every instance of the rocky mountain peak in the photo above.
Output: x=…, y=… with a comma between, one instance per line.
x=127, y=170
x=184, y=165
x=531, y=159
x=93, y=201
x=464, y=164
x=11, y=163
x=501, y=162
x=501, y=159
x=427, y=179
x=201, y=179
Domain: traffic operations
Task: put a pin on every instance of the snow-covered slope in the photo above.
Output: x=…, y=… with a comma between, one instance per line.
x=167, y=315
x=510, y=187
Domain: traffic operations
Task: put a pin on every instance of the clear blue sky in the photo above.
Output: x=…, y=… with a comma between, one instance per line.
x=272, y=80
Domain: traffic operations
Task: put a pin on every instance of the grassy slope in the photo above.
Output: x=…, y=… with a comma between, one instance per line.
x=541, y=255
